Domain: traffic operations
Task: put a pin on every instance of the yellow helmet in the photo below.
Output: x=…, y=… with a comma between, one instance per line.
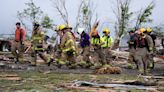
x=69, y=26
x=42, y=33
x=106, y=30
x=61, y=27
x=142, y=30
x=56, y=28
x=148, y=30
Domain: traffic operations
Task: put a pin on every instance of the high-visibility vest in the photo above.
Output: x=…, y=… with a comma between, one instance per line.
x=107, y=40
x=95, y=41
x=19, y=35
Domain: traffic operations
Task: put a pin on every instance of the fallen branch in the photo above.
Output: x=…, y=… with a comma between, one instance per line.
x=10, y=77
x=153, y=77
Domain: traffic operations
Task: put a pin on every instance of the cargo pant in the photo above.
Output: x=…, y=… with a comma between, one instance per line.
x=106, y=56
x=86, y=54
x=101, y=55
x=17, y=50
x=141, y=57
x=69, y=58
x=41, y=54
x=131, y=58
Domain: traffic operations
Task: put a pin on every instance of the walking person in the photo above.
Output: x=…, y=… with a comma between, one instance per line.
x=17, y=48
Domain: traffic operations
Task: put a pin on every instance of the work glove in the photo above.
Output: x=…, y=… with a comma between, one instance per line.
x=151, y=53
x=131, y=42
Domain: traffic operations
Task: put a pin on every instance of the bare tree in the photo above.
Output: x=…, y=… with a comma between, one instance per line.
x=31, y=14
x=144, y=16
x=60, y=6
x=123, y=15
x=84, y=18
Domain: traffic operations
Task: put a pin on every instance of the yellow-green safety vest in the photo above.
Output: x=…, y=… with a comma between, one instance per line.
x=95, y=41
x=107, y=40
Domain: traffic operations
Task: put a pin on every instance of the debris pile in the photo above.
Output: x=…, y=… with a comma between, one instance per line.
x=108, y=70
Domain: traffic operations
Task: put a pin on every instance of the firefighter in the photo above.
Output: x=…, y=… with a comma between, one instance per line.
x=151, y=35
x=37, y=44
x=144, y=43
x=57, y=50
x=68, y=46
x=96, y=43
x=132, y=49
x=107, y=42
x=18, y=45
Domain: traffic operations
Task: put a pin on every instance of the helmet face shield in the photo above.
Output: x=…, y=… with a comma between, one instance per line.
x=104, y=32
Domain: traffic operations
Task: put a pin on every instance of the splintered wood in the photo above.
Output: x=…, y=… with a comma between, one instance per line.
x=12, y=77
x=108, y=70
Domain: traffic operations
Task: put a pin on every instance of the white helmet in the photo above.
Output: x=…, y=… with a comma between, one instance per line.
x=80, y=30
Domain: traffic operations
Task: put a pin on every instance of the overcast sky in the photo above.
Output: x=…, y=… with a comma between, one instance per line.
x=9, y=8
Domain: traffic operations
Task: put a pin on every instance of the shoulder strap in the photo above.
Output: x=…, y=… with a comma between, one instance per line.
x=21, y=37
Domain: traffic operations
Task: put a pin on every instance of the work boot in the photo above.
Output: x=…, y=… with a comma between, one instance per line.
x=72, y=66
x=60, y=63
x=82, y=64
x=49, y=62
x=16, y=60
x=151, y=65
x=33, y=65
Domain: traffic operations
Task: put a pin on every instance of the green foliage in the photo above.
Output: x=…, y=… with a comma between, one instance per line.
x=124, y=17
x=158, y=30
x=47, y=22
x=32, y=13
x=85, y=10
x=144, y=16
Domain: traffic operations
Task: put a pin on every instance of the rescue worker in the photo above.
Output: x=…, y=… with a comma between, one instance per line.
x=85, y=39
x=96, y=43
x=68, y=46
x=162, y=42
x=37, y=44
x=152, y=35
x=57, y=50
x=18, y=45
x=151, y=55
x=85, y=45
x=132, y=49
x=144, y=43
x=107, y=42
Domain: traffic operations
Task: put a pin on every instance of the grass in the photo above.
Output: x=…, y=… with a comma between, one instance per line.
x=33, y=81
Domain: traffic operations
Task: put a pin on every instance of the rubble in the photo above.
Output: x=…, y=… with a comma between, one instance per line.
x=12, y=77
x=108, y=70
x=96, y=87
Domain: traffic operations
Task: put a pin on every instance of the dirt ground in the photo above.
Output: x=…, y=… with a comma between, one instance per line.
x=25, y=78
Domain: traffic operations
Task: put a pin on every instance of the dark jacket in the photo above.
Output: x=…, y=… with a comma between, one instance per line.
x=132, y=41
x=85, y=40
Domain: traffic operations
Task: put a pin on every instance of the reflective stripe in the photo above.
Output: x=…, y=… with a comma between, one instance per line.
x=39, y=48
x=95, y=41
x=71, y=43
x=107, y=41
x=69, y=49
x=37, y=38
